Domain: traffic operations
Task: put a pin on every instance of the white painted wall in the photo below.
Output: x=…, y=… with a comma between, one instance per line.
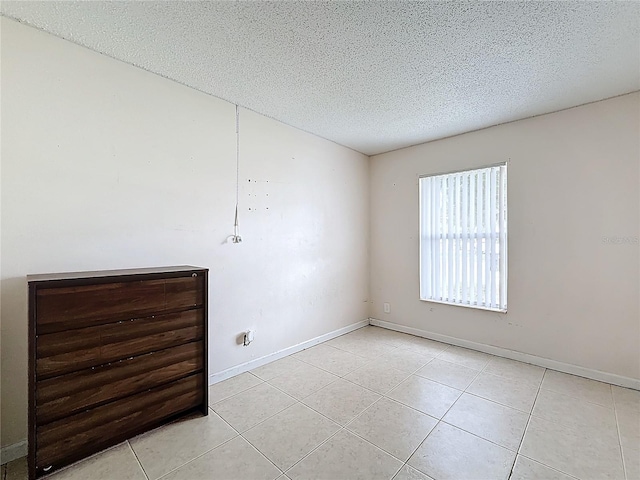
x=573, y=180
x=107, y=166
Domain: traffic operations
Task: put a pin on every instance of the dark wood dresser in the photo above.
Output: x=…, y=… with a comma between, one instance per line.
x=112, y=354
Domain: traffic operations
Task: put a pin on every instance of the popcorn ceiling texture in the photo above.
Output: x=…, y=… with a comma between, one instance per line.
x=374, y=76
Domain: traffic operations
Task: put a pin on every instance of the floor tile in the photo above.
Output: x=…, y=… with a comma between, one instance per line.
x=626, y=399
x=395, y=428
x=372, y=333
x=581, y=451
x=557, y=407
x=165, y=448
x=514, y=370
x=363, y=348
x=629, y=429
x=235, y=460
x=448, y=373
x=232, y=386
x=429, y=397
x=377, y=377
x=364, y=333
x=290, y=435
x=346, y=457
x=629, y=426
x=404, y=359
x=118, y=463
x=303, y=381
x=331, y=359
x=509, y=392
x=489, y=420
x=589, y=390
x=631, y=456
x=17, y=470
x=252, y=406
x=341, y=401
x=344, y=342
x=410, y=473
x=466, y=357
x=279, y=367
x=317, y=354
x=408, y=342
x=527, y=469
x=449, y=453
x=424, y=346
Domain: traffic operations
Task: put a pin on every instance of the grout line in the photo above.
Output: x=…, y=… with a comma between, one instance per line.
x=391, y=399
x=615, y=412
x=316, y=448
x=531, y=413
x=306, y=396
x=197, y=457
x=421, y=378
x=578, y=397
x=237, y=393
x=346, y=425
x=526, y=428
x=499, y=403
x=479, y=436
x=296, y=401
x=144, y=472
x=404, y=462
x=324, y=415
x=329, y=371
x=547, y=466
x=218, y=415
x=260, y=452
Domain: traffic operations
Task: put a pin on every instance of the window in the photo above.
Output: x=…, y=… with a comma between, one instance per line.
x=463, y=238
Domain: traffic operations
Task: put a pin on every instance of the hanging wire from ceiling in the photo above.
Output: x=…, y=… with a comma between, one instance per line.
x=236, y=238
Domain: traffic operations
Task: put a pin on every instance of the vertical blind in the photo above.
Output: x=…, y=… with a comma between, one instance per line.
x=463, y=238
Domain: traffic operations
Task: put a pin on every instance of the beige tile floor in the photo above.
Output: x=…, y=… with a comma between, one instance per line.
x=377, y=404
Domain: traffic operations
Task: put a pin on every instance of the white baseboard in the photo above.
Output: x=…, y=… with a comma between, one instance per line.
x=514, y=355
x=258, y=362
x=12, y=452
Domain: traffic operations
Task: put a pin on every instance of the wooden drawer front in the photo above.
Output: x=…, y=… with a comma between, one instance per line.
x=66, y=308
x=68, y=394
x=71, y=438
x=184, y=292
x=65, y=352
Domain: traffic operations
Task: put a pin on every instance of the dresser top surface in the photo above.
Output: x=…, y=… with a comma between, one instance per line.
x=45, y=277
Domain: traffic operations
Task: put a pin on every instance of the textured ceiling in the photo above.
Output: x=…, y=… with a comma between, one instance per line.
x=374, y=76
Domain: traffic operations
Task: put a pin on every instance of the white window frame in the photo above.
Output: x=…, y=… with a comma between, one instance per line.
x=452, y=237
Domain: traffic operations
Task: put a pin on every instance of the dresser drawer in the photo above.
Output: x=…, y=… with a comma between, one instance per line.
x=65, y=308
x=112, y=354
x=73, y=350
x=184, y=292
x=69, y=394
x=71, y=438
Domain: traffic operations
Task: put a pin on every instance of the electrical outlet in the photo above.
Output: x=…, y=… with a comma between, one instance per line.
x=387, y=307
x=248, y=337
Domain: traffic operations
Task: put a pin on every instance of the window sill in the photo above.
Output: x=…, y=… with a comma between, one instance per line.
x=476, y=307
